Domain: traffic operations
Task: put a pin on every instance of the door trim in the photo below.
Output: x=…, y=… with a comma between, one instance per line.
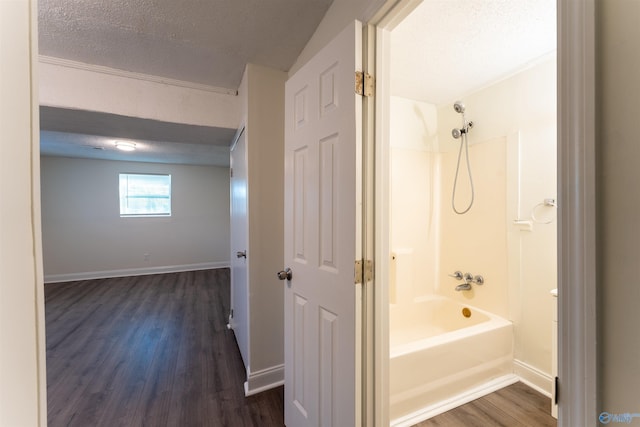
x=237, y=136
x=577, y=281
x=577, y=363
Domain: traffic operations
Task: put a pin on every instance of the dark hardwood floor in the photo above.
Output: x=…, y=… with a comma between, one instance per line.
x=148, y=351
x=517, y=405
x=155, y=351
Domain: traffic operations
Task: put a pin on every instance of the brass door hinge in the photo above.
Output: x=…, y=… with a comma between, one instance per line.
x=358, y=272
x=364, y=84
x=368, y=271
x=363, y=270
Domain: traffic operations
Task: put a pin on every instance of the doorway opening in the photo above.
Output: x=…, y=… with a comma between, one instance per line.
x=435, y=55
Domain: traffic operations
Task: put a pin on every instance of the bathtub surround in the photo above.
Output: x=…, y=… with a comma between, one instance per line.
x=513, y=158
x=476, y=240
x=414, y=171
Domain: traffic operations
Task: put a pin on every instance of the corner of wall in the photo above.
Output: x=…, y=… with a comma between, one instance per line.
x=264, y=88
x=340, y=13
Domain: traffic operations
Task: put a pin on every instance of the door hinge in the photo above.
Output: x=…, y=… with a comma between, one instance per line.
x=555, y=391
x=364, y=84
x=230, y=172
x=358, y=272
x=368, y=271
x=363, y=269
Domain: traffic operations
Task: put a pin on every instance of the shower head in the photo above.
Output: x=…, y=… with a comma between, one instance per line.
x=456, y=133
x=459, y=107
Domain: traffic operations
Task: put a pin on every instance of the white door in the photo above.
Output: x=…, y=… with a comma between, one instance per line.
x=239, y=321
x=323, y=123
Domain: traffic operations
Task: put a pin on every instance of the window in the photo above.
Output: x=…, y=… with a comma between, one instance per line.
x=145, y=195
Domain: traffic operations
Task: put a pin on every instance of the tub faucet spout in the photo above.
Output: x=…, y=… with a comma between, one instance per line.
x=463, y=287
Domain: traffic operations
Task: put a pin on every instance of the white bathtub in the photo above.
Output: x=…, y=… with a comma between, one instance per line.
x=438, y=354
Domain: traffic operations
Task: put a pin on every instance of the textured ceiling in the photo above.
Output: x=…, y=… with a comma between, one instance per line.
x=200, y=41
x=444, y=50
x=447, y=49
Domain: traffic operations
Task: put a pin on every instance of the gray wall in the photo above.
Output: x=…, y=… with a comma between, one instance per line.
x=84, y=236
x=618, y=199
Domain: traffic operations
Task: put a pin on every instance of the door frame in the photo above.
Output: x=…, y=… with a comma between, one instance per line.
x=577, y=220
x=577, y=263
x=577, y=268
x=232, y=323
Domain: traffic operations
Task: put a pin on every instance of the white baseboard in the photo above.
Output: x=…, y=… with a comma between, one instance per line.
x=89, y=275
x=533, y=377
x=455, y=401
x=263, y=380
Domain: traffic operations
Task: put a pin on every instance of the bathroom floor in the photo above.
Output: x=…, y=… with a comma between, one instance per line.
x=515, y=405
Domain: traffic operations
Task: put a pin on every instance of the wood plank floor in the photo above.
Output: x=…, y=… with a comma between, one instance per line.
x=155, y=351
x=148, y=351
x=517, y=405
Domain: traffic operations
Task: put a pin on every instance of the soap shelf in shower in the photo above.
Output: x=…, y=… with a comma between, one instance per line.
x=523, y=225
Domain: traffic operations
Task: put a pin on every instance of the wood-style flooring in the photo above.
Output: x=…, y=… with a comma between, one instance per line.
x=155, y=351
x=148, y=351
x=517, y=405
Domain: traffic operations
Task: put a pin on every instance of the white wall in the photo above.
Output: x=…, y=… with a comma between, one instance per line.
x=513, y=141
x=68, y=84
x=618, y=200
x=265, y=139
x=476, y=242
x=22, y=343
x=262, y=94
x=414, y=193
x=339, y=15
x=84, y=236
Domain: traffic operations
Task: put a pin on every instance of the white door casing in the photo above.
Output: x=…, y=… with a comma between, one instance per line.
x=239, y=322
x=323, y=129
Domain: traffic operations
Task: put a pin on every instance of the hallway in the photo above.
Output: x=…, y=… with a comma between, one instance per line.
x=148, y=350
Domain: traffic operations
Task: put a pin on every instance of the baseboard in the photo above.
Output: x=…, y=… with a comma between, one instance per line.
x=455, y=401
x=263, y=380
x=107, y=274
x=533, y=377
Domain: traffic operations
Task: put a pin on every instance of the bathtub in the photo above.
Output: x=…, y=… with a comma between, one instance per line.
x=437, y=356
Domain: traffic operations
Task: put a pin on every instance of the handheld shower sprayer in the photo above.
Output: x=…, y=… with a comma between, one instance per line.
x=462, y=133
x=458, y=106
x=458, y=132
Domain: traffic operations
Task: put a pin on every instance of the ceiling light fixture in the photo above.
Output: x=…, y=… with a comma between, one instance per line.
x=125, y=146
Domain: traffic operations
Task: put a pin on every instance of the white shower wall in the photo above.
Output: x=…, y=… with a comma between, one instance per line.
x=413, y=200
x=476, y=242
x=513, y=159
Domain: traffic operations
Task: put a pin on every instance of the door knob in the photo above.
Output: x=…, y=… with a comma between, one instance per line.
x=241, y=254
x=285, y=274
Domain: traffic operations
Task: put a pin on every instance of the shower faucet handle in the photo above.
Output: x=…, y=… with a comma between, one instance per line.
x=468, y=277
x=457, y=275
